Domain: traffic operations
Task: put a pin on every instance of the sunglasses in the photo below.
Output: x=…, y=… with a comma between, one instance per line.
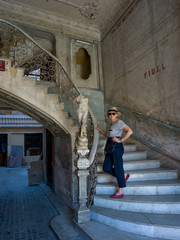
x=111, y=114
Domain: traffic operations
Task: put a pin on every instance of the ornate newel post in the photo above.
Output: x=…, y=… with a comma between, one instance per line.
x=82, y=213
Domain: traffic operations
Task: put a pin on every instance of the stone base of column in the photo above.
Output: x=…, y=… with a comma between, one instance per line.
x=82, y=216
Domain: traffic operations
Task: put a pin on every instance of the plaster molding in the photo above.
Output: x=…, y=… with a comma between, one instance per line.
x=90, y=9
x=115, y=14
x=45, y=19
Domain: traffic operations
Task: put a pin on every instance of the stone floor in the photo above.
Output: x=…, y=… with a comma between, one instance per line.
x=25, y=211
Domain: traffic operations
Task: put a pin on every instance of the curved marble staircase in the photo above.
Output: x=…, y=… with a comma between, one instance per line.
x=35, y=95
x=151, y=205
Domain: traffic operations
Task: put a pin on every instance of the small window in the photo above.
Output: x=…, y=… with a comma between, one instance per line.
x=83, y=63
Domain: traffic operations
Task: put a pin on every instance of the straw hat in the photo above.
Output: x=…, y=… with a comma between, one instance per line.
x=111, y=110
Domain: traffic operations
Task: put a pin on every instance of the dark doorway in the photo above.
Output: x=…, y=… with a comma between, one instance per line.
x=49, y=158
x=3, y=150
x=32, y=144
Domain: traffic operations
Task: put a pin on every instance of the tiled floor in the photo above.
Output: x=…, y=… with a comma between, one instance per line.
x=25, y=211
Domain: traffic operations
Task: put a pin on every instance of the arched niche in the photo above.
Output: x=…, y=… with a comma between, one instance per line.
x=83, y=63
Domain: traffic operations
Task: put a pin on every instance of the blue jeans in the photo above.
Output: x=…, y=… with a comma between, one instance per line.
x=113, y=164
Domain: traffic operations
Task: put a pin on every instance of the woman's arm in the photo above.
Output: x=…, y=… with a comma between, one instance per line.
x=101, y=131
x=128, y=131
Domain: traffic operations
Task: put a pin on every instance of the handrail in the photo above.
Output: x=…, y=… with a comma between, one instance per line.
x=163, y=152
x=95, y=138
x=164, y=124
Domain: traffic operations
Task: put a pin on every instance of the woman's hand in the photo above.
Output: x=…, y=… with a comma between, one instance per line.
x=115, y=139
x=98, y=128
x=101, y=131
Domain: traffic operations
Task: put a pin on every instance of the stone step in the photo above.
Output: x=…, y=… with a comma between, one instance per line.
x=102, y=142
x=30, y=82
x=164, y=204
x=101, y=231
x=154, y=187
x=71, y=121
x=65, y=113
x=127, y=148
x=46, y=84
x=104, y=139
x=165, y=226
x=139, y=175
x=53, y=90
x=135, y=164
x=126, y=156
x=74, y=128
x=20, y=71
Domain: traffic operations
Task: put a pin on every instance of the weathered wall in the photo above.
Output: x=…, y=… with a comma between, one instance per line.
x=96, y=103
x=63, y=51
x=63, y=170
x=141, y=70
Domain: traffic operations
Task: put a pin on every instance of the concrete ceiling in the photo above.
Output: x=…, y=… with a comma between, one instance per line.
x=72, y=9
x=86, y=18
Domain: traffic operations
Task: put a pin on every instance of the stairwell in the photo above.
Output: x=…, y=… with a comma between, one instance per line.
x=151, y=205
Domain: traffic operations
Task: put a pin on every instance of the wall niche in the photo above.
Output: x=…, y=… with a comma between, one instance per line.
x=84, y=64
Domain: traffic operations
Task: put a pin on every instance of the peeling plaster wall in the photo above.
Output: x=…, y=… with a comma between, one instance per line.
x=63, y=51
x=96, y=103
x=141, y=71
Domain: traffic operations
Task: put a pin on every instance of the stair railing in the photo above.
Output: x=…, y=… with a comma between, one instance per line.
x=92, y=179
x=25, y=52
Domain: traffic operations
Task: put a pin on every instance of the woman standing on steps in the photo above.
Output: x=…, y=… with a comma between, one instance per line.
x=113, y=163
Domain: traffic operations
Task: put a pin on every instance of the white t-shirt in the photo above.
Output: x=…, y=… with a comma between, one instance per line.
x=116, y=129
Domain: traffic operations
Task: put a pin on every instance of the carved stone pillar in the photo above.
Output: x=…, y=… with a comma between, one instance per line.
x=82, y=213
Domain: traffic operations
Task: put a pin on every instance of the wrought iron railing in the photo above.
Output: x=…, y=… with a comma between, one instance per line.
x=92, y=179
x=37, y=62
x=26, y=53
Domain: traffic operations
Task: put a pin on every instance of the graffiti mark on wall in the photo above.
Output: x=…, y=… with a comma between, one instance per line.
x=2, y=65
x=154, y=70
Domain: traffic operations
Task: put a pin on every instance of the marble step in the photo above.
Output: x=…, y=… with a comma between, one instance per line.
x=45, y=83
x=97, y=231
x=165, y=226
x=139, y=175
x=102, y=141
x=164, y=204
x=154, y=187
x=135, y=164
x=126, y=156
x=127, y=148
